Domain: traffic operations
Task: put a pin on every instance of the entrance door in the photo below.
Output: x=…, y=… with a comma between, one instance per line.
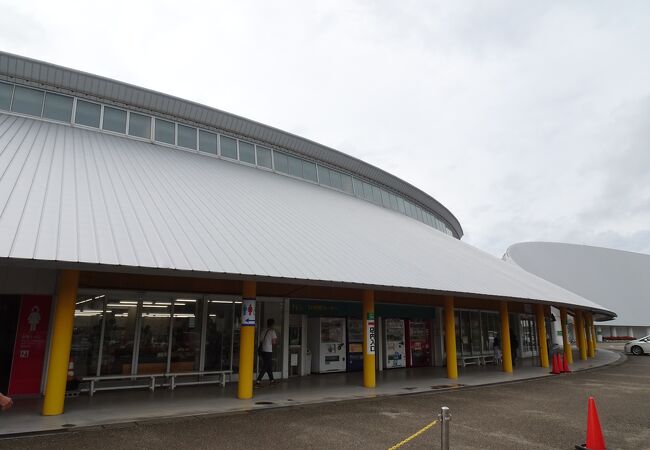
x=295, y=345
x=419, y=343
x=9, y=310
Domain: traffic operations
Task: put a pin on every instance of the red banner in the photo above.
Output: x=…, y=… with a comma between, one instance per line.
x=31, y=340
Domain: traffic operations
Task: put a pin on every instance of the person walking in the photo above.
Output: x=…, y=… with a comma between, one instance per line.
x=265, y=350
x=514, y=345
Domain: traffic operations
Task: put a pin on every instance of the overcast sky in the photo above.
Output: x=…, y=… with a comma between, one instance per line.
x=528, y=120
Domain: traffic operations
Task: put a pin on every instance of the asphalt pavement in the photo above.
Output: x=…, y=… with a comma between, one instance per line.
x=546, y=413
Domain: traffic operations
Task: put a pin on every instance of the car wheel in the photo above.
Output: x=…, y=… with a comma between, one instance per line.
x=636, y=350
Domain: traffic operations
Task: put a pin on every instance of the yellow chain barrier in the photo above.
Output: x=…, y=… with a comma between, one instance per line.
x=413, y=436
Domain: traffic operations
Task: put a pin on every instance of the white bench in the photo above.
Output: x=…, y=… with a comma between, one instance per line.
x=169, y=380
x=221, y=378
x=94, y=380
x=469, y=360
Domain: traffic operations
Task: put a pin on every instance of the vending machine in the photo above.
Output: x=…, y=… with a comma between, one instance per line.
x=327, y=343
x=418, y=340
x=355, y=345
x=394, y=340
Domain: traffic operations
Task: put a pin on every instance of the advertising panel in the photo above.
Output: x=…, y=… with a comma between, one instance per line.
x=31, y=341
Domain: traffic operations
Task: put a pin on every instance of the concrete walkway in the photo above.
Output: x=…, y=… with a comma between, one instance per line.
x=114, y=407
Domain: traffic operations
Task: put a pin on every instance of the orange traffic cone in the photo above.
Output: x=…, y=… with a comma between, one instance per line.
x=595, y=440
x=556, y=365
x=565, y=367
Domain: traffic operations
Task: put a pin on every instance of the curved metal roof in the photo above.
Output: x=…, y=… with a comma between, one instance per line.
x=79, y=196
x=39, y=73
x=614, y=278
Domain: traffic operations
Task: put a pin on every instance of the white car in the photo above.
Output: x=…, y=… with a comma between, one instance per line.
x=638, y=346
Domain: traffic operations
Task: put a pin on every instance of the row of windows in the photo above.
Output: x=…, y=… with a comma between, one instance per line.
x=63, y=108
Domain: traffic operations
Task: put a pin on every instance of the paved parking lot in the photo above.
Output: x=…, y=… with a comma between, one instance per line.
x=545, y=413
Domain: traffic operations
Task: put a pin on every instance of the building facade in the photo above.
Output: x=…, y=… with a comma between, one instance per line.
x=615, y=278
x=146, y=241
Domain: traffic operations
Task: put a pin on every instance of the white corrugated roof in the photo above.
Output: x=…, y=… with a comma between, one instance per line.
x=75, y=195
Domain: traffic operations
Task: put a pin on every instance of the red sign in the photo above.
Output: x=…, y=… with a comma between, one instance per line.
x=31, y=339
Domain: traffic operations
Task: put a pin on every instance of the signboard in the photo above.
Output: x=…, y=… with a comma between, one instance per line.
x=371, y=335
x=248, y=312
x=31, y=340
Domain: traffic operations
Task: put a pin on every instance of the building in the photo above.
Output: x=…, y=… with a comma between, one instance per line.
x=143, y=237
x=614, y=278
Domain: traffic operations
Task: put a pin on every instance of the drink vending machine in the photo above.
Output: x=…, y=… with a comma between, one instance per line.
x=394, y=340
x=419, y=343
x=355, y=345
x=326, y=337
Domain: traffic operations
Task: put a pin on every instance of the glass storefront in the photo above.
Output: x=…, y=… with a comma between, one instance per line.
x=475, y=332
x=130, y=333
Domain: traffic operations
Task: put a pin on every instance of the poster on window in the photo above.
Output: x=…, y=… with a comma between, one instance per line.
x=31, y=340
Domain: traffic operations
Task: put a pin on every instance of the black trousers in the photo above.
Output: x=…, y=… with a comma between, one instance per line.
x=267, y=366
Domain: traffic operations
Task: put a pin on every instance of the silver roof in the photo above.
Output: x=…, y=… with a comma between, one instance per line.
x=617, y=279
x=71, y=195
x=42, y=74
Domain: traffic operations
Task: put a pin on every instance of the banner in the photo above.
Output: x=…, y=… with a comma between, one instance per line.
x=370, y=334
x=31, y=340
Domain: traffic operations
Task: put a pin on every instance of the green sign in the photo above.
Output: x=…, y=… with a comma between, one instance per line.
x=371, y=316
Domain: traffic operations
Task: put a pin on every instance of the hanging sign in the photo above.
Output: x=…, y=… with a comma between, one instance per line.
x=31, y=340
x=248, y=312
x=371, y=335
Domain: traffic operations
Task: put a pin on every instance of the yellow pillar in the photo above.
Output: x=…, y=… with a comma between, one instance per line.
x=541, y=334
x=57, y=372
x=565, y=336
x=592, y=334
x=247, y=344
x=369, y=338
x=450, y=338
x=582, y=344
x=590, y=342
x=505, y=337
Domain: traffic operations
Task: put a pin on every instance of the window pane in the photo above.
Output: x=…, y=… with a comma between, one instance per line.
x=295, y=166
x=87, y=114
x=187, y=137
x=228, y=147
x=367, y=191
x=6, y=90
x=335, y=180
x=346, y=181
x=281, y=162
x=324, y=176
x=114, y=120
x=400, y=205
x=207, y=142
x=140, y=125
x=309, y=171
x=376, y=195
x=85, y=336
x=218, y=335
x=186, y=336
x=57, y=107
x=393, y=201
x=165, y=131
x=358, y=187
x=385, y=200
x=264, y=157
x=246, y=152
x=119, y=334
x=154, y=337
x=27, y=101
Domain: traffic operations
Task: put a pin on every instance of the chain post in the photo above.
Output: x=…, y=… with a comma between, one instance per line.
x=445, y=417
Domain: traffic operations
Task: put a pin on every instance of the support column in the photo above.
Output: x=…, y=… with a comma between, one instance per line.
x=593, y=332
x=582, y=344
x=630, y=332
x=57, y=373
x=450, y=338
x=505, y=337
x=566, y=345
x=369, y=338
x=613, y=332
x=247, y=342
x=541, y=335
x=590, y=341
